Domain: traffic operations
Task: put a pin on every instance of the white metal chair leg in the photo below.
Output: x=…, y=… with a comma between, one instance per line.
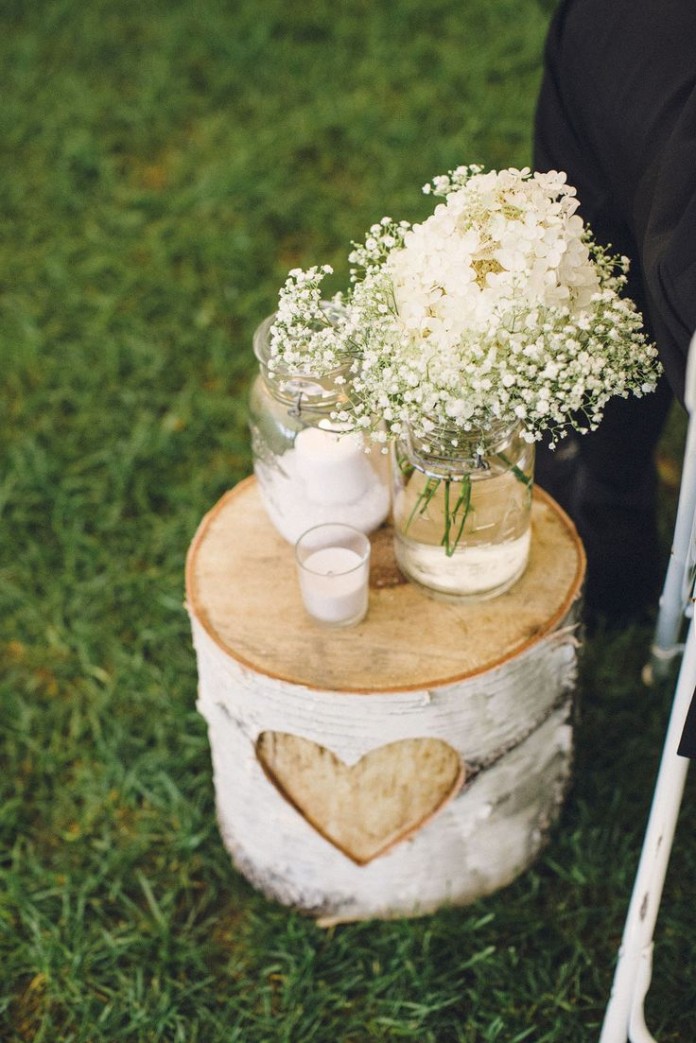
x=638, y=1031
x=624, y=1014
x=679, y=579
x=674, y=602
x=625, y=1018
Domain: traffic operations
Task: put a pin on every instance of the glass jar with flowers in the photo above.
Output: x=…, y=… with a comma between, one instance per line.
x=495, y=321
x=462, y=509
x=309, y=468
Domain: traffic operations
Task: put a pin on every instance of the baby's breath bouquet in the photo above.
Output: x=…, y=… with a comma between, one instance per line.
x=498, y=306
x=465, y=339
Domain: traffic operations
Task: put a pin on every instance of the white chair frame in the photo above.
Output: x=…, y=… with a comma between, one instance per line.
x=624, y=1018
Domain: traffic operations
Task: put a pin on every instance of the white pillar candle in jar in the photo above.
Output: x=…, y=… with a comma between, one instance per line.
x=332, y=464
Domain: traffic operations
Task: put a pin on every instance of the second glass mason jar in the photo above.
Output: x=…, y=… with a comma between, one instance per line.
x=309, y=470
x=462, y=510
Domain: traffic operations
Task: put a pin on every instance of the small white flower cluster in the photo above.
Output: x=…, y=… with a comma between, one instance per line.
x=499, y=306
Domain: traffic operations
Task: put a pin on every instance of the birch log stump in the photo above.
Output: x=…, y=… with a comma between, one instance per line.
x=416, y=760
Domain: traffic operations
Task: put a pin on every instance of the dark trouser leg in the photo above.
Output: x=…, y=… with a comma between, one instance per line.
x=609, y=488
x=605, y=480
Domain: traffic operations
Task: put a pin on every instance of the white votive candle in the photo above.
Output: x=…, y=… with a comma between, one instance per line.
x=333, y=568
x=332, y=464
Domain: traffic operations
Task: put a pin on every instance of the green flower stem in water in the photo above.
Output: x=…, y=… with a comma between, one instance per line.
x=454, y=517
x=517, y=471
x=421, y=504
x=463, y=504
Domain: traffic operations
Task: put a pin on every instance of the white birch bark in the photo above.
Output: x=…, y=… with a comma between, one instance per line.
x=485, y=794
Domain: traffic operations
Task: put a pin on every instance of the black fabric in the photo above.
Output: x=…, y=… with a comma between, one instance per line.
x=617, y=112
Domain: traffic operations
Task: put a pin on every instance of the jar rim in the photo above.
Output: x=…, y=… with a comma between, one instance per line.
x=452, y=450
x=290, y=383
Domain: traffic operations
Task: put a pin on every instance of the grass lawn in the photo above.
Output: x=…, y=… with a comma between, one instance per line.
x=163, y=165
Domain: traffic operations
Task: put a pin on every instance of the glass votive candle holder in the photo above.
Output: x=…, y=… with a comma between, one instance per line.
x=333, y=565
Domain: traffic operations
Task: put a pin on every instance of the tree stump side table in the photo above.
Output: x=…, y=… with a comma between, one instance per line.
x=416, y=760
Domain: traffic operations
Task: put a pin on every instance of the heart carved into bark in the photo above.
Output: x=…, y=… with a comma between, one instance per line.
x=365, y=808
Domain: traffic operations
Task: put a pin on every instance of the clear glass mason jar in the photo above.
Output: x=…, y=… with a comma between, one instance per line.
x=309, y=471
x=462, y=510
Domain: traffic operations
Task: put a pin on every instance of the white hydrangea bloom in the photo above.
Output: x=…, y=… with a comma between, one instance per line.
x=497, y=306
